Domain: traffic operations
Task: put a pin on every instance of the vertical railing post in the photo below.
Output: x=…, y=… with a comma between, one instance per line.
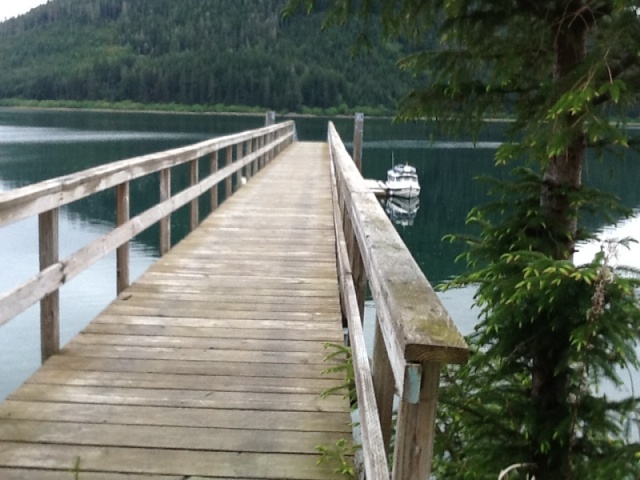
x=249, y=168
x=383, y=384
x=165, y=223
x=193, y=180
x=270, y=119
x=263, y=157
x=48, y=233
x=227, y=182
x=358, y=134
x=123, y=212
x=239, y=156
x=255, y=164
x=415, y=428
x=214, y=189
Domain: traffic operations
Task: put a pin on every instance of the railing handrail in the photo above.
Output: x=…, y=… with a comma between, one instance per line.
x=254, y=148
x=414, y=332
x=35, y=199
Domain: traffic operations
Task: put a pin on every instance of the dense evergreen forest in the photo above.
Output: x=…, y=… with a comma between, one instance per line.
x=231, y=52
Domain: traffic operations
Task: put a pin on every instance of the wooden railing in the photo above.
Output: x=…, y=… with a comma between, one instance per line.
x=414, y=334
x=253, y=150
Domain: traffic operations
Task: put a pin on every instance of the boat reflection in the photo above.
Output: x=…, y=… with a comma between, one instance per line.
x=402, y=211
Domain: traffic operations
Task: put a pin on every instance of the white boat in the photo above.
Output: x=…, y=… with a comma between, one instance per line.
x=402, y=181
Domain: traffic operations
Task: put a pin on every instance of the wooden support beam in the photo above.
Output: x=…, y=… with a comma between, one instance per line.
x=239, y=156
x=214, y=189
x=270, y=119
x=228, y=183
x=123, y=201
x=415, y=429
x=48, y=230
x=194, y=209
x=383, y=384
x=249, y=168
x=358, y=135
x=165, y=223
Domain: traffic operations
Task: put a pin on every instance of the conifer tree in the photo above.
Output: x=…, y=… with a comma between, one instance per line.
x=566, y=72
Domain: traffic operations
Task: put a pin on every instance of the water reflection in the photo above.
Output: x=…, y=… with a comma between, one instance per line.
x=10, y=135
x=402, y=211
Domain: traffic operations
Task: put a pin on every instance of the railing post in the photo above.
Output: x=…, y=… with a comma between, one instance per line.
x=255, y=165
x=194, y=209
x=227, y=182
x=270, y=119
x=358, y=134
x=123, y=212
x=48, y=232
x=415, y=429
x=260, y=141
x=383, y=384
x=249, y=168
x=239, y=156
x=165, y=223
x=214, y=189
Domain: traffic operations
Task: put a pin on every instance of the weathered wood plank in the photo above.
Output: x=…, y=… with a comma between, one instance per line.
x=164, y=461
x=158, y=397
x=274, y=384
x=175, y=416
x=192, y=342
x=235, y=369
x=178, y=438
x=155, y=311
x=194, y=354
x=28, y=474
x=256, y=330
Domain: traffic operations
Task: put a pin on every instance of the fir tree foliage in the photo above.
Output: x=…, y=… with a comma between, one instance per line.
x=551, y=333
x=222, y=52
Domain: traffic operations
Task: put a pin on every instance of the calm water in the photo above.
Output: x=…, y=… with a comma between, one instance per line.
x=37, y=145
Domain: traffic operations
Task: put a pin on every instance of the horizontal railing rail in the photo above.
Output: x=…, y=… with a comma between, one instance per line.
x=253, y=150
x=414, y=334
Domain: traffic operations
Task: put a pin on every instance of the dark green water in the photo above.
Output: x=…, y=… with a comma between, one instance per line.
x=38, y=145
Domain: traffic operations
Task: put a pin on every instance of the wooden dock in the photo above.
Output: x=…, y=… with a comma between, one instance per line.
x=209, y=365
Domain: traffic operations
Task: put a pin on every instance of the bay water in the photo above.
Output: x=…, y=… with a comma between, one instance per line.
x=37, y=145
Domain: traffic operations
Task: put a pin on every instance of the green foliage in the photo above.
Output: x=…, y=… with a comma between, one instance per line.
x=345, y=366
x=76, y=469
x=537, y=310
x=340, y=456
x=190, y=52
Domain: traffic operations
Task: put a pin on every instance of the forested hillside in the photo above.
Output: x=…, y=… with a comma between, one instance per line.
x=232, y=52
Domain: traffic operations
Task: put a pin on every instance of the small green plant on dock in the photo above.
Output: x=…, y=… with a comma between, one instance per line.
x=345, y=366
x=341, y=454
x=75, y=470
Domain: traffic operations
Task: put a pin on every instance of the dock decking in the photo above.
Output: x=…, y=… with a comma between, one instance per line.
x=210, y=364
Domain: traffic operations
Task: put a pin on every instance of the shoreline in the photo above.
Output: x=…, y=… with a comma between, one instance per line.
x=131, y=107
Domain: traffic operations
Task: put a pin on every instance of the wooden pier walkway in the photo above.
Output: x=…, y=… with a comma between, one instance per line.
x=209, y=366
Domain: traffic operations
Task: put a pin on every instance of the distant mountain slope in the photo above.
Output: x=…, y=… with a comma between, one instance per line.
x=190, y=51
